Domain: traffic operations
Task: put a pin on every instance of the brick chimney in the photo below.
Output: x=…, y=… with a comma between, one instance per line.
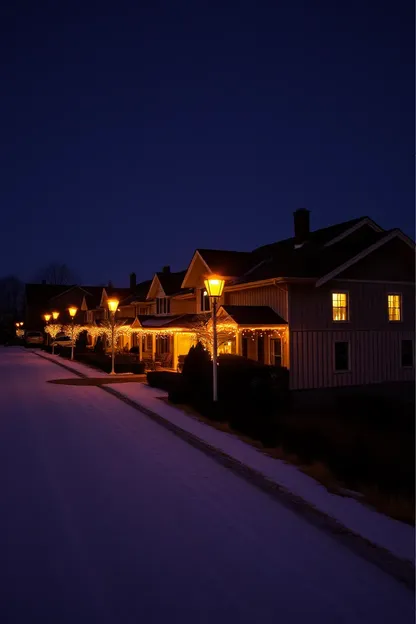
x=301, y=222
x=132, y=281
x=166, y=269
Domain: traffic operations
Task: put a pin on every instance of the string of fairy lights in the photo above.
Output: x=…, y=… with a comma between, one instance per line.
x=226, y=331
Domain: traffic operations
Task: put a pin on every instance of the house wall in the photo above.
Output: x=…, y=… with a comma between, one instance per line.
x=274, y=296
x=182, y=306
x=375, y=343
x=126, y=311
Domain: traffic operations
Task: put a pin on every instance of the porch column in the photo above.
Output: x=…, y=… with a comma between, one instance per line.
x=237, y=343
x=140, y=341
x=153, y=346
x=175, y=351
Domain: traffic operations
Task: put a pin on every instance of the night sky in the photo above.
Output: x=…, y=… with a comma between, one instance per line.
x=132, y=133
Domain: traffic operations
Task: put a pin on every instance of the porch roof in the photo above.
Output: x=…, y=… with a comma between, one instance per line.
x=253, y=315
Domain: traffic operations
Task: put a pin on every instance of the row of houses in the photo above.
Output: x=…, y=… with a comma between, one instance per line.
x=334, y=305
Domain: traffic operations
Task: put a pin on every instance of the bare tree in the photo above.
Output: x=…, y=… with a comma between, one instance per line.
x=58, y=274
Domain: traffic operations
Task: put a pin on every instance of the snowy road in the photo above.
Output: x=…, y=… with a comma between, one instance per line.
x=108, y=518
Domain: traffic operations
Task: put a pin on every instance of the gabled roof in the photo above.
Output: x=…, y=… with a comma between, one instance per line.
x=318, y=237
x=253, y=315
x=351, y=259
x=227, y=263
x=171, y=284
x=315, y=257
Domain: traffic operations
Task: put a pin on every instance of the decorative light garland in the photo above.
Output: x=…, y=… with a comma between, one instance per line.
x=53, y=329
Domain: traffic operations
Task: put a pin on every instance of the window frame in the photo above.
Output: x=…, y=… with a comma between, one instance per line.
x=203, y=298
x=162, y=306
x=407, y=366
x=344, y=370
x=347, y=294
x=395, y=294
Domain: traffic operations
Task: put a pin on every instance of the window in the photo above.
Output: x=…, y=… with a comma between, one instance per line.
x=342, y=356
x=276, y=352
x=205, y=302
x=407, y=353
x=162, y=305
x=394, y=303
x=339, y=306
x=147, y=343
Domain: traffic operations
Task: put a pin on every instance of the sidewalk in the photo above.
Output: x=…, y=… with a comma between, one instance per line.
x=389, y=534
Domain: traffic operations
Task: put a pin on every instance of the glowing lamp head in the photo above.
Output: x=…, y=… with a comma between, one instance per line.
x=72, y=311
x=47, y=317
x=214, y=286
x=55, y=315
x=112, y=305
x=17, y=324
x=21, y=324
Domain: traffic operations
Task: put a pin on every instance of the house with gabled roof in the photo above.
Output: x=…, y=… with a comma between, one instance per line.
x=345, y=294
x=333, y=305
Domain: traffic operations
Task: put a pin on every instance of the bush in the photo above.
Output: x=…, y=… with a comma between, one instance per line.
x=197, y=364
x=165, y=380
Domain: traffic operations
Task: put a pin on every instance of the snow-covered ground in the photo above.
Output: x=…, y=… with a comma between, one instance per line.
x=396, y=537
x=106, y=517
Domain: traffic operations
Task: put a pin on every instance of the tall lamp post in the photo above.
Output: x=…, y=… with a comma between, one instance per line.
x=55, y=318
x=112, y=306
x=214, y=286
x=72, y=311
x=47, y=319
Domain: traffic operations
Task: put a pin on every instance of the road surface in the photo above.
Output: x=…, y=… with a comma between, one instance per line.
x=106, y=517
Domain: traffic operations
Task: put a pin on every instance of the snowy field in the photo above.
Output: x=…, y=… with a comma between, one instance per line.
x=106, y=517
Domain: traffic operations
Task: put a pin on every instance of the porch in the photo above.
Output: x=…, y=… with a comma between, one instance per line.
x=255, y=332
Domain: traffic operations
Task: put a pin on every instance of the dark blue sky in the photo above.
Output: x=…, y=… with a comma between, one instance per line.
x=132, y=133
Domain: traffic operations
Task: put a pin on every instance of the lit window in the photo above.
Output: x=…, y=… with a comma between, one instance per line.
x=394, y=303
x=339, y=306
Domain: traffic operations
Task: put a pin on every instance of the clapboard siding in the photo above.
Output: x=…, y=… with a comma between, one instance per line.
x=311, y=307
x=274, y=296
x=375, y=357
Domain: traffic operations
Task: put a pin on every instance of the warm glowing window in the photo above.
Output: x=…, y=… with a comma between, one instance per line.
x=339, y=306
x=394, y=303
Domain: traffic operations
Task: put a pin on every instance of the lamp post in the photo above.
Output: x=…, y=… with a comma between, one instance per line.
x=47, y=318
x=55, y=318
x=72, y=311
x=214, y=286
x=112, y=306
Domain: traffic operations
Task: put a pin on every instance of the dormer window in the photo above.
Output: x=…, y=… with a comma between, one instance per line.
x=162, y=305
x=205, y=302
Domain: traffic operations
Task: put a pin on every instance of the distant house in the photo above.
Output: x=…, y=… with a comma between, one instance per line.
x=46, y=298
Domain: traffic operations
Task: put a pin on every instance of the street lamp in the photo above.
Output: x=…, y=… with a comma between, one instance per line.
x=47, y=318
x=112, y=306
x=214, y=286
x=55, y=317
x=72, y=311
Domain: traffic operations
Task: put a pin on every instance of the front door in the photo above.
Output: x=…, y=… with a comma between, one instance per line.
x=276, y=352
